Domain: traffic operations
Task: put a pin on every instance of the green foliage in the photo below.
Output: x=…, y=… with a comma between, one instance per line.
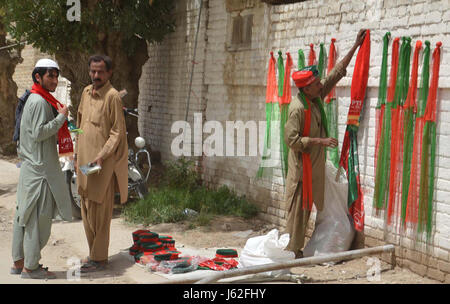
x=182, y=190
x=181, y=173
x=45, y=25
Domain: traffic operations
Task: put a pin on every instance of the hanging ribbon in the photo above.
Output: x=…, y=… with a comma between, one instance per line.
x=349, y=154
x=382, y=90
x=409, y=109
x=312, y=55
x=414, y=186
x=425, y=216
x=330, y=106
x=396, y=154
x=322, y=59
x=271, y=100
x=285, y=100
x=280, y=74
x=301, y=60
x=382, y=169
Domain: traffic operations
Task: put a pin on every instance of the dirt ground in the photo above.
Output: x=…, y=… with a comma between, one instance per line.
x=67, y=245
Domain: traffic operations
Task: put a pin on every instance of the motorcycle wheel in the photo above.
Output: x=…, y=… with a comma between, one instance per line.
x=142, y=190
x=71, y=181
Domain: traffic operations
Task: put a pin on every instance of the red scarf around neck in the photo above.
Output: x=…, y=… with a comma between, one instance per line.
x=65, y=145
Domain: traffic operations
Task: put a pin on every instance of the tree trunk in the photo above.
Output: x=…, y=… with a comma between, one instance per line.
x=9, y=58
x=126, y=74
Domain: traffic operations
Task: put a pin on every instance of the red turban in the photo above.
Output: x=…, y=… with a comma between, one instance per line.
x=305, y=76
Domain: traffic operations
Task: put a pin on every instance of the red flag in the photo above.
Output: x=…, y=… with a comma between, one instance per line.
x=349, y=154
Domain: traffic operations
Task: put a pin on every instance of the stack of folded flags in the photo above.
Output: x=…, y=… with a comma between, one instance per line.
x=161, y=247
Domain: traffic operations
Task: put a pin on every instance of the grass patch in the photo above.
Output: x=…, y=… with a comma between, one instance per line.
x=180, y=188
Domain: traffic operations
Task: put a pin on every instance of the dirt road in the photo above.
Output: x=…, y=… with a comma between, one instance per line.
x=67, y=245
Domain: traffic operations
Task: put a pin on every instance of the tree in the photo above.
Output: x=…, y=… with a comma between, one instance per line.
x=9, y=58
x=120, y=29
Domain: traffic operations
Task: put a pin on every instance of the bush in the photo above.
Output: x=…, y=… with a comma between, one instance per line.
x=181, y=189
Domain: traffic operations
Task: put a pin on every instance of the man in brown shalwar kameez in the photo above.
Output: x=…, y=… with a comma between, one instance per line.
x=103, y=141
x=311, y=91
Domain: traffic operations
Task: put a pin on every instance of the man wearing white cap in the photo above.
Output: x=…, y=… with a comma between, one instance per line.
x=41, y=192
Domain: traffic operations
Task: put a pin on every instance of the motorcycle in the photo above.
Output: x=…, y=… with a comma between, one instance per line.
x=137, y=180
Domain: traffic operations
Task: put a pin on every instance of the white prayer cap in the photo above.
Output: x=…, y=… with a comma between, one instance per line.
x=46, y=63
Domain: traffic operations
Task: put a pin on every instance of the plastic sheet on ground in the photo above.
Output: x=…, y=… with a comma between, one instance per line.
x=333, y=230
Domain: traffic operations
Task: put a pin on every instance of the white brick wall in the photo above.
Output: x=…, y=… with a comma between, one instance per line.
x=231, y=86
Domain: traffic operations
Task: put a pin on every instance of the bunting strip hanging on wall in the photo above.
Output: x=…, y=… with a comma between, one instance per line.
x=381, y=177
x=382, y=90
x=322, y=59
x=410, y=109
x=427, y=166
x=396, y=157
x=285, y=100
x=312, y=55
x=271, y=102
x=330, y=106
x=301, y=60
x=349, y=154
x=414, y=183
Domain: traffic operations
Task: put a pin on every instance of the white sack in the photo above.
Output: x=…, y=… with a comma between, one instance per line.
x=333, y=230
x=266, y=249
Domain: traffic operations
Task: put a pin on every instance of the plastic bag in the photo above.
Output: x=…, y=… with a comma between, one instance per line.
x=266, y=249
x=333, y=230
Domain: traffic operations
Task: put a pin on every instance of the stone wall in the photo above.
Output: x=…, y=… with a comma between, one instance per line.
x=229, y=81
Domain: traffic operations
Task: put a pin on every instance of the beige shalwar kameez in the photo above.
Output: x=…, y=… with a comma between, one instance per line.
x=297, y=218
x=100, y=116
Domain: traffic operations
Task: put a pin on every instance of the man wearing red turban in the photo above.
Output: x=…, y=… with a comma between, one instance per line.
x=306, y=136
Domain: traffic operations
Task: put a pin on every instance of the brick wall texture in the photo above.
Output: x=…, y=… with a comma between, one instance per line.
x=229, y=84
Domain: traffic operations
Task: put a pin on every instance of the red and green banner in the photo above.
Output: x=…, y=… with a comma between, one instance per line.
x=285, y=100
x=349, y=154
x=396, y=153
x=414, y=181
x=382, y=90
x=383, y=156
x=428, y=157
x=409, y=117
x=266, y=165
x=330, y=106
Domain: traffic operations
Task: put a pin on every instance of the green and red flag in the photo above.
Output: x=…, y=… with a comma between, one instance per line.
x=271, y=106
x=396, y=153
x=382, y=90
x=409, y=117
x=330, y=106
x=349, y=154
x=381, y=175
x=285, y=100
x=428, y=157
x=414, y=182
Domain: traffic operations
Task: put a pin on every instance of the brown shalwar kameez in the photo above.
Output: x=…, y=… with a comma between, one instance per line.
x=100, y=116
x=297, y=218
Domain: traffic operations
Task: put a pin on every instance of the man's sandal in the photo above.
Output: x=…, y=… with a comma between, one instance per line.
x=41, y=273
x=92, y=266
x=15, y=270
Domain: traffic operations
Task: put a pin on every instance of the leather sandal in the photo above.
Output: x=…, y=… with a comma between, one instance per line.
x=41, y=273
x=92, y=266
